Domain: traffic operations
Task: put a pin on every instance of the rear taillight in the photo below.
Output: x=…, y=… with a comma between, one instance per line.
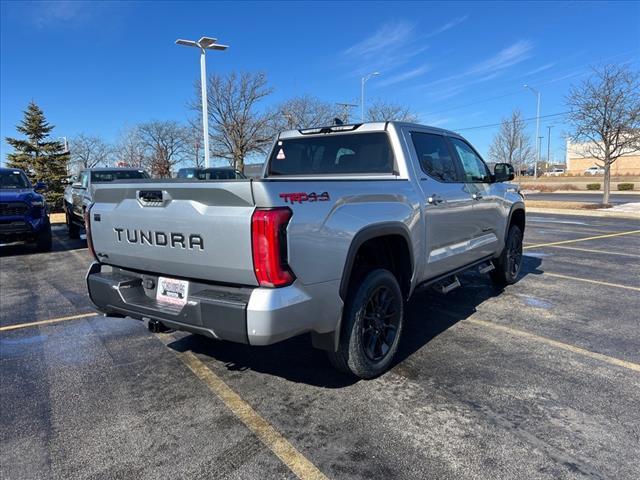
x=87, y=226
x=269, y=241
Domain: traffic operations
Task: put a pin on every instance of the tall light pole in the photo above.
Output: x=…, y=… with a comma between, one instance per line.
x=364, y=80
x=537, y=93
x=204, y=44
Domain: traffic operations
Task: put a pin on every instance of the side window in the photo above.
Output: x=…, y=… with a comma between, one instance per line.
x=84, y=179
x=474, y=168
x=434, y=156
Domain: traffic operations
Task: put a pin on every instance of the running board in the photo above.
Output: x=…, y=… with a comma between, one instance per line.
x=486, y=267
x=448, y=284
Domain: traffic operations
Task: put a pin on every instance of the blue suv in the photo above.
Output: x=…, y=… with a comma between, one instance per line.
x=24, y=215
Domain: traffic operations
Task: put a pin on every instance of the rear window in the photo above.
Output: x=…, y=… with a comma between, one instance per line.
x=219, y=174
x=110, y=176
x=333, y=154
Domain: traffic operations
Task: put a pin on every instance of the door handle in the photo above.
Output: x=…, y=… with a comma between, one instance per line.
x=435, y=199
x=477, y=196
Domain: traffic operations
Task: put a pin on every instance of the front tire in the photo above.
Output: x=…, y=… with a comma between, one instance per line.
x=509, y=262
x=44, y=240
x=371, y=325
x=72, y=228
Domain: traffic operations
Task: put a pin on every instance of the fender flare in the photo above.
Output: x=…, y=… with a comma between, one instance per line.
x=368, y=233
x=514, y=207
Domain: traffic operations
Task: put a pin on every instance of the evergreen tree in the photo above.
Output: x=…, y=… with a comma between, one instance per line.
x=41, y=159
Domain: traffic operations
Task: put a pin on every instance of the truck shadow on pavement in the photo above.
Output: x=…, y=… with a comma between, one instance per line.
x=428, y=314
x=61, y=243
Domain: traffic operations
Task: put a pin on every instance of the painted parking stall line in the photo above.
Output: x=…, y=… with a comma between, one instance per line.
x=555, y=343
x=563, y=242
x=17, y=326
x=300, y=465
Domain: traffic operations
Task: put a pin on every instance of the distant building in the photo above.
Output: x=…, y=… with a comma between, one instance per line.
x=578, y=161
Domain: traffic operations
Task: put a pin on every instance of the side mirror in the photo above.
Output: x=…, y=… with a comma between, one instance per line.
x=40, y=187
x=77, y=185
x=503, y=172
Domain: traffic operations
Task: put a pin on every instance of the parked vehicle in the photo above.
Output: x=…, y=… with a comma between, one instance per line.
x=217, y=173
x=24, y=214
x=79, y=195
x=595, y=170
x=345, y=225
x=556, y=172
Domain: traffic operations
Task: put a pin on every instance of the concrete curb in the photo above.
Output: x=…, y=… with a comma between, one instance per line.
x=585, y=213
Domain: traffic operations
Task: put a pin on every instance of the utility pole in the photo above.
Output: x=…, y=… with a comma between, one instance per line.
x=204, y=44
x=537, y=93
x=346, y=110
x=549, y=127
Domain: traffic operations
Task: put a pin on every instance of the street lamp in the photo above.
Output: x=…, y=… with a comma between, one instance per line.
x=205, y=43
x=537, y=93
x=364, y=80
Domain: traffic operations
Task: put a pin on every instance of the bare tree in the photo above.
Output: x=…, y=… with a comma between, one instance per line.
x=130, y=149
x=194, y=142
x=304, y=112
x=89, y=151
x=237, y=128
x=511, y=144
x=605, y=115
x=164, y=144
x=381, y=111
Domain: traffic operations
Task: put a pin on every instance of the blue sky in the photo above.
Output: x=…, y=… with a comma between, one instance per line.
x=98, y=67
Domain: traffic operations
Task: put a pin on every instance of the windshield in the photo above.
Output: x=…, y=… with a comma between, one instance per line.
x=110, y=176
x=14, y=179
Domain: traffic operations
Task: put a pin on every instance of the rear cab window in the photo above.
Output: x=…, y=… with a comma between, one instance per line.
x=333, y=154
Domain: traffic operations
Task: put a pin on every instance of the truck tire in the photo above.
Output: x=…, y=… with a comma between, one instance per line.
x=371, y=325
x=509, y=263
x=44, y=239
x=72, y=228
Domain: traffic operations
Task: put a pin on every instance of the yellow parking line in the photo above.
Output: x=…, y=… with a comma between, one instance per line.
x=587, y=280
x=609, y=235
x=588, y=250
x=554, y=343
x=275, y=441
x=45, y=322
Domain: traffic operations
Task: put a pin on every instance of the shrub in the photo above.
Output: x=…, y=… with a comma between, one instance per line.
x=593, y=186
x=625, y=186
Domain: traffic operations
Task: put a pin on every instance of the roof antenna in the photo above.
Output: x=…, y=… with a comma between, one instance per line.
x=337, y=121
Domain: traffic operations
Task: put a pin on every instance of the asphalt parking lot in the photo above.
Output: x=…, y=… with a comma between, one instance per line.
x=541, y=380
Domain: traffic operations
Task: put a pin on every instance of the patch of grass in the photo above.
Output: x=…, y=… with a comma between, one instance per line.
x=550, y=188
x=625, y=186
x=593, y=186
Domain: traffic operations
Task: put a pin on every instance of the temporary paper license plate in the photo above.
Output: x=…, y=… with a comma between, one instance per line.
x=174, y=292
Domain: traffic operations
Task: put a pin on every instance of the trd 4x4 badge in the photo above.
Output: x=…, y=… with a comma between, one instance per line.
x=300, y=197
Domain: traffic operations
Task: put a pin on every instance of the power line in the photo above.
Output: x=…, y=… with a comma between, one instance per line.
x=498, y=124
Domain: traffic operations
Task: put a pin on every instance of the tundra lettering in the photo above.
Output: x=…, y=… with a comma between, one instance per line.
x=159, y=239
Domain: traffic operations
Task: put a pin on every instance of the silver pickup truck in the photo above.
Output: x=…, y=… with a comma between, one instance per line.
x=344, y=225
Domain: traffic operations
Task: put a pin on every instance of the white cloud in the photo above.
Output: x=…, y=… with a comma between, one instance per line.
x=389, y=36
x=402, y=77
x=505, y=58
x=540, y=69
x=447, y=26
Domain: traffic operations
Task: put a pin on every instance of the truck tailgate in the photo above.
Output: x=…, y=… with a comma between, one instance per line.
x=199, y=230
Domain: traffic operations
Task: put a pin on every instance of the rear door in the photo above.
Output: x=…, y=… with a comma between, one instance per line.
x=447, y=207
x=487, y=218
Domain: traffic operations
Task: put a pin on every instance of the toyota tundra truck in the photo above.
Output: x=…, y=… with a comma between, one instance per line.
x=344, y=225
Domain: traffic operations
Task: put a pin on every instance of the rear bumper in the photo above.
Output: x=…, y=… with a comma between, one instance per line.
x=255, y=316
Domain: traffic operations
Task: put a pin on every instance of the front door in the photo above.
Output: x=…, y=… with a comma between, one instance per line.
x=447, y=206
x=487, y=219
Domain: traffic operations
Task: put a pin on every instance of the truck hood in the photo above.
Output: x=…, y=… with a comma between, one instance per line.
x=17, y=195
